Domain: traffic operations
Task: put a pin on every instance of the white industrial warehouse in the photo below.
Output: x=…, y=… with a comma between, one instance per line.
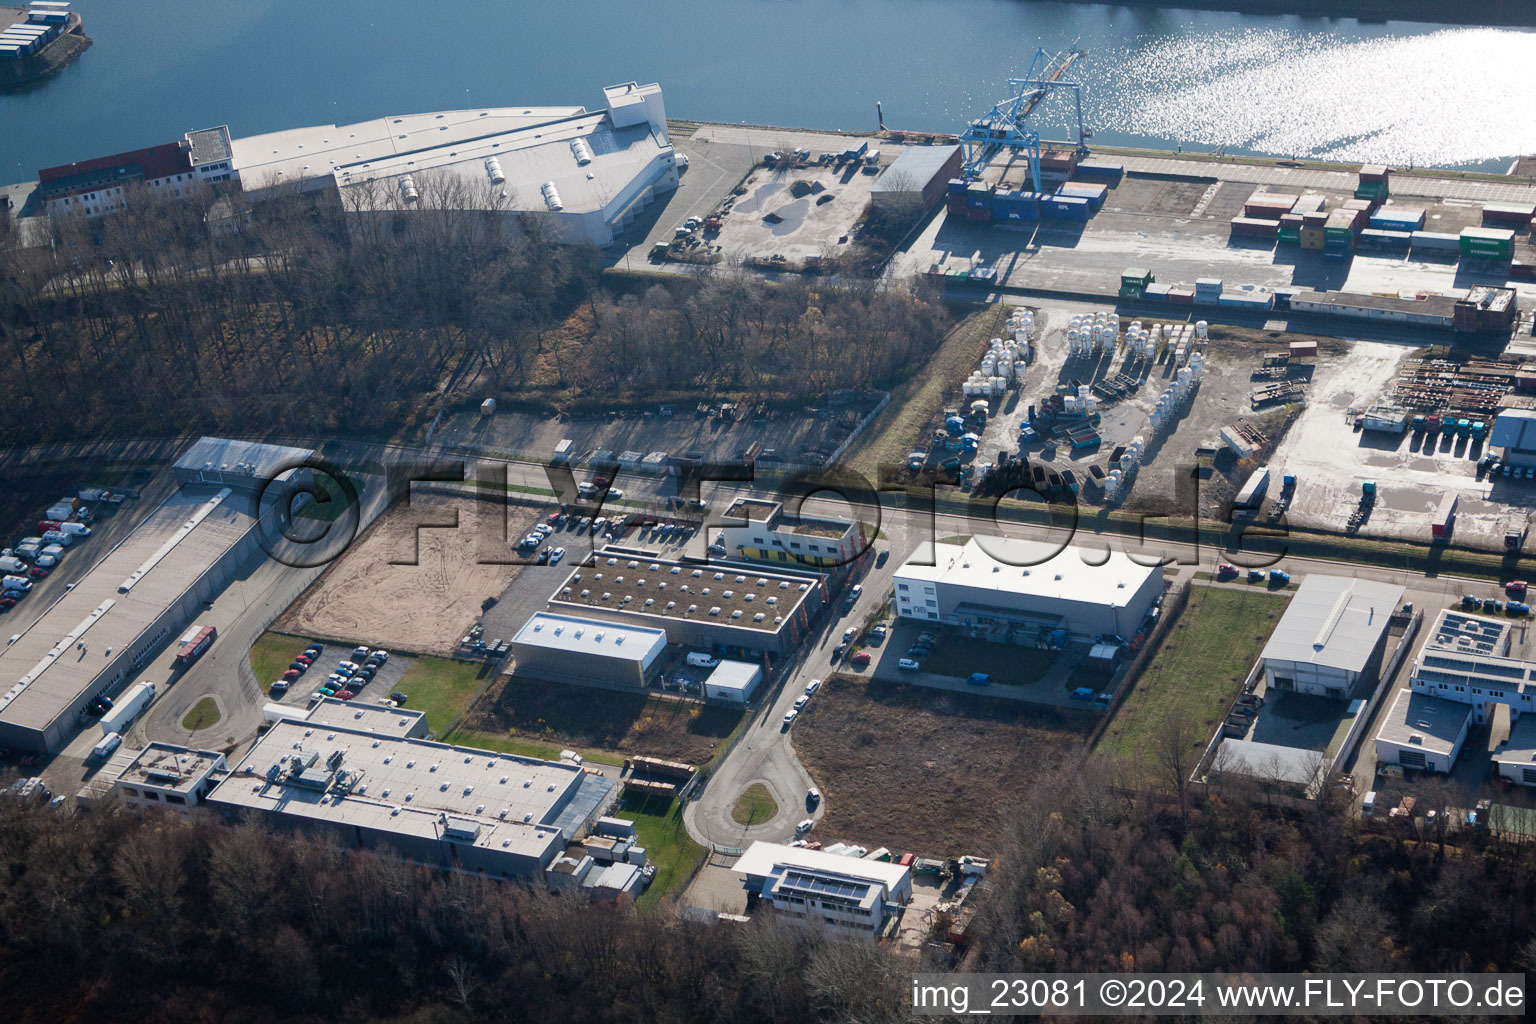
x=1515, y=759
x=457, y=808
x=1331, y=636
x=586, y=174
x=129, y=603
x=1027, y=592
x=589, y=652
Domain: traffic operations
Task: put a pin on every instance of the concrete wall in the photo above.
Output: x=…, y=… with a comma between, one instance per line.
x=582, y=668
x=1082, y=619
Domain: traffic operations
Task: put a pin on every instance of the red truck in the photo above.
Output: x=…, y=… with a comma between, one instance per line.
x=195, y=643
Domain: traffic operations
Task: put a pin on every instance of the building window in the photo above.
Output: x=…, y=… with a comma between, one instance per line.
x=150, y=794
x=175, y=798
x=130, y=791
x=901, y=586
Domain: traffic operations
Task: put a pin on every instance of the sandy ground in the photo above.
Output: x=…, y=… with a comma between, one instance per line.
x=367, y=597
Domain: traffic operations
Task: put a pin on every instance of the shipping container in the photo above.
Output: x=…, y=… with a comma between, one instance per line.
x=1397, y=218
x=1252, y=227
x=194, y=643
x=1445, y=518
x=1208, y=286
x=1373, y=238
x=957, y=186
x=1136, y=276
x=978, y=215
x=955, y=204
x=1155, y=293
x=1289, y=236
x=1015, y=205
x=1065, y=208
x=1181, y=296
x=1312, y=202
x=1375, y=173
x=1508, y=214
x=1252, y=494
x=1100, y=170
x=1246, y=300
x=1436, y=240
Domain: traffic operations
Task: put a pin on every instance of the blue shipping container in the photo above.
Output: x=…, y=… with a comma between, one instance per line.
x=1390, y=218
x=957, y=186
x=1155, y=293
x=1015, y=206
x=1100, y=170
x=1065, y=208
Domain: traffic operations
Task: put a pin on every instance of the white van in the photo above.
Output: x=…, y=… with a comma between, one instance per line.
x=75, y=529
x=587, y=490
x=110, y=742
x=16, y=583
x=908, y=663
x=699, y=659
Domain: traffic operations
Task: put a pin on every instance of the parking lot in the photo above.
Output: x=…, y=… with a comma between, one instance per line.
x=385, y=681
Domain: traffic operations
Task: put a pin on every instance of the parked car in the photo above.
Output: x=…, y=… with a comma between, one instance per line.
x=298, y=666
x=345, y=694
x=880, y=559
x=1492, y=604
x=909, y=664
x=292, y=674
x=38, y=572
x=812, y=686
x=1226, y=569
x=398, y=697
x=979, y=679
x=838, y=652
x=1255, y=575
x=315, y=650
x=813, y=796
x=800, y=701
x=359, y=653
x=1517, y=608
x=789, y=718
x=850, y=633
x=1514, y=588
x=805, y=826
x=859, y=660
x=555, y=555
x=1276, y=576
x=279, y=688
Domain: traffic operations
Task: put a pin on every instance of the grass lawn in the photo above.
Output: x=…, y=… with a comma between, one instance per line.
x=1005, y=663
x=469, y=737
x=659, y=828
x=442, y=688
x=1198, y=670
x=754, y=805
x=204, y=714
x=272, y=653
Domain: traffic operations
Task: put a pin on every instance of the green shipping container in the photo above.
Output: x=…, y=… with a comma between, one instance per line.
x=1290, y=234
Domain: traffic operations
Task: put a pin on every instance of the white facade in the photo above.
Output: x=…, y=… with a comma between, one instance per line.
x=1422, y=732
x=565, y=648
x=1332, y=633
x=848, y=894
x=1025, y=592
x=764, y=532
x=162, y=775
x=1466, y=659
x=1515, y=759
x=733, y=681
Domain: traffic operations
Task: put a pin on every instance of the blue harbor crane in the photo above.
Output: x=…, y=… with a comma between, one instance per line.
x=1006, y=125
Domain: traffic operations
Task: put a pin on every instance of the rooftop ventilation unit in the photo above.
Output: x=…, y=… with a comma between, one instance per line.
x=408, y=189
x=552, y=200
x=493, y=168
x=581, y=151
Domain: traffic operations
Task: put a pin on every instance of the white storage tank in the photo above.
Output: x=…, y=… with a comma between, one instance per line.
x=493, y=168
x=581, y=151
x=408, y=189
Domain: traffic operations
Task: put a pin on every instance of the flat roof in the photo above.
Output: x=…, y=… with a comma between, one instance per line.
x=592, y=636
x=530, y=158
x=169, y=767
x=624, y=583
x=765, y=859
x=1300, y=766
x=1460, y=633
x=1515, y=428
x=735, y=675
x=411, y=787
x=209, y=145
x=1334, y=622
x=228, y=455
x=1030, y=569
x=52, y=673
x=913, y=168
x=294, y=154
x=1520, y=748
x=363, y=717
x=1429, y=723
x=771, y=515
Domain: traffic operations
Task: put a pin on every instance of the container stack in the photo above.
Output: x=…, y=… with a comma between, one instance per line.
x=1397, y=218
x=1372, y=185
x=1010, y=205
x=1095, y=194
x=1134, y=281
x=1340, y=230
x=1289, y=232
x=955, y=197
x=978, y=201
x=1487, y=243
x=1508, y=215
x=1313, y=230
x=1208, y=291
x=1059, y=207
x=1247, y=297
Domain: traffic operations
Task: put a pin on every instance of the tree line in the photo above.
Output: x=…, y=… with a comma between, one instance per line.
x=114, y=915
x=306, y=313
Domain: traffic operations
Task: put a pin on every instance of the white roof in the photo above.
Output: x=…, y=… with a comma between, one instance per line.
x=296, y=153
x=740, y=676
x=530, y=158
x=1437, y=724
x=762, y=858
x=592, y=636
x=1334, y=622
x=1520, y=748
x=1032, y=568
x=1298, y=765
x=406, y=786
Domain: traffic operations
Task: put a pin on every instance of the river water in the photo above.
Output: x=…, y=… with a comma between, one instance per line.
x=1400, y=92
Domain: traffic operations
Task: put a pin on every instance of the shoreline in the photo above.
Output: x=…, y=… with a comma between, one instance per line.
x=28, y=72
x=1467, y=14
x=686, y=128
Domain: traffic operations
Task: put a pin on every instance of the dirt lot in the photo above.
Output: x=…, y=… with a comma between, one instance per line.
x=586, y=718
x=770, y=218
x=423, y=607
x=934, y=773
